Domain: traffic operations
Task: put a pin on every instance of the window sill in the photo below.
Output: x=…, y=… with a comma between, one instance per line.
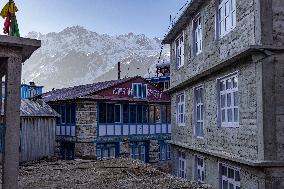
x=230, y=125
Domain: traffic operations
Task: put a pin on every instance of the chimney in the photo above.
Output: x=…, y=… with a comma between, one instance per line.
x=118, y=70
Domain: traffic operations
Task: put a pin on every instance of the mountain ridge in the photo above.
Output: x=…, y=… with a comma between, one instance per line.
x=76, y=56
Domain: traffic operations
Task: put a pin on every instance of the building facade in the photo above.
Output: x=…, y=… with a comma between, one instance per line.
x=227, y=75
x=37, y=125
x=128, y=117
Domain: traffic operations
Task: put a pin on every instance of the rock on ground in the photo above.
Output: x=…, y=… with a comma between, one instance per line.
x=112, y=174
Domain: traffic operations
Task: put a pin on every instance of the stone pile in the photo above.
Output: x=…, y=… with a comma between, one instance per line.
x=115, y=173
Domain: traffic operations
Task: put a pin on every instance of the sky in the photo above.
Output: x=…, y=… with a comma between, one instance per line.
x=113, y=17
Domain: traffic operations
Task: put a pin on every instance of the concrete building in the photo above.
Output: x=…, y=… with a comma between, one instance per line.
x=127, y=117
x=227, y=88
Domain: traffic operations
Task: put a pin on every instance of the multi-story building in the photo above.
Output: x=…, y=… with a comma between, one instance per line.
x=227, y=88
x=128, y=117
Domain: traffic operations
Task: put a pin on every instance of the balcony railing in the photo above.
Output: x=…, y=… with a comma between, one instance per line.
x=133, y=129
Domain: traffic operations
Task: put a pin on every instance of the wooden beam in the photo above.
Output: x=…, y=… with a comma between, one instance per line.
x=12, y=123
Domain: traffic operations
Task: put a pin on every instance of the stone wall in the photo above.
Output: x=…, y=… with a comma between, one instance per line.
x=86, y=125
x=241, y=142
x=278, y=21
x=251, y=177
x=214, y=49
x=86, y=121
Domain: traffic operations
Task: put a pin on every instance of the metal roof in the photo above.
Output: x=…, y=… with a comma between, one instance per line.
x=35, y=108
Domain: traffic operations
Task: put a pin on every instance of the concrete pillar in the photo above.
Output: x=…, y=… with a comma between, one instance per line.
x=12, y=123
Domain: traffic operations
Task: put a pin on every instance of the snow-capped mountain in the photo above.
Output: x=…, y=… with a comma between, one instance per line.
x=77, y=56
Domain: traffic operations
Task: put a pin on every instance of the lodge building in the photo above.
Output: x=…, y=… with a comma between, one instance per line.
x=227, y=68
x=128, y=117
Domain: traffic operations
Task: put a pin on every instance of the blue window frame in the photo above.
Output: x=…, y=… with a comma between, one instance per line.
x=164, y=151
x=108, y=150
x=139, y=150
x=139, y=90
x=67, y=122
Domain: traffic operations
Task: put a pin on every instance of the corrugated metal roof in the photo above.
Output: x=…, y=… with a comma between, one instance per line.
x=81, y=90
x=38, y=108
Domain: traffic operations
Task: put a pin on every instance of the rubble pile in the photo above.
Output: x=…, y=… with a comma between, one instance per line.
x=115, y=173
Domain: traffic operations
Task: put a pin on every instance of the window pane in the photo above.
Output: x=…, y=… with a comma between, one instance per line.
x=237, y=176
x=152, y=113
x=134, y=89
x=231, y=173
x=117, y=113
x=236, y=98
x=68, y=112
x=230, y=115
x=158, y=114
x=231, y=186
x=102, y=113
x=164, y=114
x=224, y=170
x=229, y=100
x=125, y=113
x=228, y=84
x=110, y=113
x=236, y=114
x=139, y=90
x=225, y=184
x=235, y=82
x=201, y=113
x=223, y=100
x=139, y=113
x=146, y=114
x=223, y=115
x=63, y=114
x=73, y=113
x=198, y=113
x=132, y=113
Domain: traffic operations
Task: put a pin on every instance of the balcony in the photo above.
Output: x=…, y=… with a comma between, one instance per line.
x=133, y=129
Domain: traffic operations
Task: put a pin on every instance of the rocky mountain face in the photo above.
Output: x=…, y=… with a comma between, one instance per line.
x=78, y=56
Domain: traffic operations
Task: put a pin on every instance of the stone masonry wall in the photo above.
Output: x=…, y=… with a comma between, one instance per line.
x=86, y=124
x=214, y=49
x=279, y=105
x=278, y=21
x=239, y=142
x=251, y=177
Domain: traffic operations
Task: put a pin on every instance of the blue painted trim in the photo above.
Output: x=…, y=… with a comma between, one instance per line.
x=98, y=121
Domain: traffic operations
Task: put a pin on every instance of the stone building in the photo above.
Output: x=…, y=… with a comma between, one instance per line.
x=128, y=117
x=227, y=88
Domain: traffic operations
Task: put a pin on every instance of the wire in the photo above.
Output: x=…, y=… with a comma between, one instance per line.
x=172, y=23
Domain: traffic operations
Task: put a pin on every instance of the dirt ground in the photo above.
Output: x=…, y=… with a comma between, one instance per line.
x=107, y=174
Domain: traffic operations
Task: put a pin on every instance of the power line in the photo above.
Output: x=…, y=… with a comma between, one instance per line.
x=172, y=23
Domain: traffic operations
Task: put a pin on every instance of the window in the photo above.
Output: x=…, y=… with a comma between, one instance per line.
x=167, y=85
x=198, y=111
x=139, y=90
x=229, y=101
x=106, y=151
x=164, y=151
x=226, y=19
x=200, y=169
x=138, y=151
x=180, y=109
x=102, y=113
x=181, y=165
x=158, y=114
x=230, y=177
x=180, y=51
x=197, y=35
